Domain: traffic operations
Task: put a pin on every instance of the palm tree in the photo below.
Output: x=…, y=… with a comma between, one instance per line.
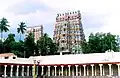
x=3, y=27
x=21, y=29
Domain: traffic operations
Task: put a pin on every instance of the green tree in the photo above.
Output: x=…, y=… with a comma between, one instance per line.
x=21, y=29
x=100, y=42
x=1, y=45
x=3, y=28
x=111, y=41
x=85, y=47
x=18, y=48
x=8, y=43
x=30, y=46
x=46, y=45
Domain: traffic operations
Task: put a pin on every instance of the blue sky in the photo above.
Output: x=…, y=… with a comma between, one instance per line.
x=97, y=15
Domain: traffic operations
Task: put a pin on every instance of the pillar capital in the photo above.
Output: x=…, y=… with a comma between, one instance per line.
x=100, y=64
x=5, y=65
x=69, y=65
x=23, y=66
x=76, y=65
x=11, y=65
x=42, y=66
x=48, y=66
x=55, y=66
x=17, y=66
x=62, y=66
x=92, y=65
x=109, y=64
x=84, y=65
x=118, y=64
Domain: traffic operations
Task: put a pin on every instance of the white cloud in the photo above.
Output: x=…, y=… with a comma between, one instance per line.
x=110, y=9
x=112, y=23
x=104, y=12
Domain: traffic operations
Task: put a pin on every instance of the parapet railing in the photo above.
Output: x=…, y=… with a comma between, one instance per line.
x=79, y=77
x=67, y=77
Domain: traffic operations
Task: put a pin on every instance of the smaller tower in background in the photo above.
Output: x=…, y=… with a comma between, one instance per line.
x=36, y=30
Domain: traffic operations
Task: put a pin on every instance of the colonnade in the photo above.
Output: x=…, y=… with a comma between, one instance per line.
x=17, y=72
x=66, y=70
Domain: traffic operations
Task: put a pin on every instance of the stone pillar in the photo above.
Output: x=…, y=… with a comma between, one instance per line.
x=103, y=71
x=55, y=70
x=36, y=70
x=92, y=69
x=28, y=70
x=11, y=71
x=22, y=70
x=5, y=66
x=87, y=71
x=32, y=70
x=73, y=72
x=66, y=71
x=76, y=70
x=100, y=69
x=111, y=70
x=59, y=71
x=118, y=69
x=110, y=73
x=17, y=71
x=62, y=70
x=69, y=70
x=80, y=70
x=48, y=70
x=42, y=70
x=84, y=70
x=95, y=70
x=52, y=71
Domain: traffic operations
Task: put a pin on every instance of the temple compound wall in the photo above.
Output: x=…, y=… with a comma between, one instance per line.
x=95, y=64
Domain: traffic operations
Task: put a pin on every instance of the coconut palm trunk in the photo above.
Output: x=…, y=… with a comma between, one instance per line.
x=20, y=35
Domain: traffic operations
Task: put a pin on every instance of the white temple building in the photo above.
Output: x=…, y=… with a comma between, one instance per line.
x=94, y=64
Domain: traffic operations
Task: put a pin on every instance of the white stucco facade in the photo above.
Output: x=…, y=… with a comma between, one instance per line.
x=73, y=64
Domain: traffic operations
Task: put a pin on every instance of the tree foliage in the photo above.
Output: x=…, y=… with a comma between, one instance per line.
x=100, y=42
x=21, y=29
x=46, y=45
x=3, y=28
x=9, y=42
x=97, y=43
x=30, y=46
x=18, y=48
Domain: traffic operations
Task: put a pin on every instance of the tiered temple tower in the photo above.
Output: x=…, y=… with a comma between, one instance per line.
x=68, y=31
